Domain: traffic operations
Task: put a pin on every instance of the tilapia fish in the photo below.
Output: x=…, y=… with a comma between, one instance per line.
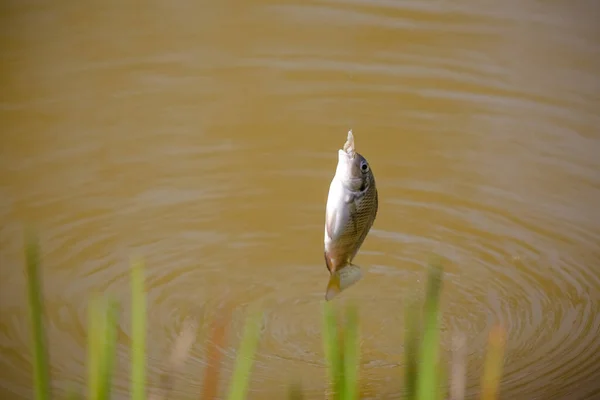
x=351, y=210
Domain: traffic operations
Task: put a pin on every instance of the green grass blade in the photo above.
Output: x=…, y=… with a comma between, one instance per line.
x=427, y=377
x=96, y=322
x=411, y=343
x=351, y=355
x=138, y=332
x=245, y=359
x=41, y=374
x=333, y=355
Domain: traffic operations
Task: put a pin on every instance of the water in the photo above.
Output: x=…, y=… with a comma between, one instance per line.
x=203, y=136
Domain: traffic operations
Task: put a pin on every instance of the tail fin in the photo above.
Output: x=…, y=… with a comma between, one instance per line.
x=342, y=279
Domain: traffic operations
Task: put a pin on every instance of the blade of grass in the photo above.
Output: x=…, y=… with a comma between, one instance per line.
x=411, y=344
x=138, y=332
x=427, y=378
x=96, y=322
x=41, y=374
x=492, y=371
x=333, y=355
x=245, y=359
x=215, y=342
x=351, y=355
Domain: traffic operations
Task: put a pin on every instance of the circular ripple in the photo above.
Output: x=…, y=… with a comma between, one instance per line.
x=531, y=268
x=508, y=268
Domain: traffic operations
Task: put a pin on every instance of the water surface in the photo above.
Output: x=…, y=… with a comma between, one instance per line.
x=203, y=136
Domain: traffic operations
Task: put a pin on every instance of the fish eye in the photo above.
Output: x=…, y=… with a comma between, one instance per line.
x=364, y=167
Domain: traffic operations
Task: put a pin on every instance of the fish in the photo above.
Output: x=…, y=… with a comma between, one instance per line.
x=352, y=205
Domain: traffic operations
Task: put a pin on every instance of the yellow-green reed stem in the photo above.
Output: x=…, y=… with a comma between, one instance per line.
x=427, y=377
x=138, y=332
x=332, y=349
x=96, y=326
x=411, y=343
x=41, y=375
x=102, y=338
x=245, y=359
x=351, y=356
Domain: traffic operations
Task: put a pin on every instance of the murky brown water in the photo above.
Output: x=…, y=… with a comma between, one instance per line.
x=203, y=135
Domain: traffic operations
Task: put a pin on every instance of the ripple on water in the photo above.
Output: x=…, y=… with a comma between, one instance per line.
x=507, y=265
x=522, y=256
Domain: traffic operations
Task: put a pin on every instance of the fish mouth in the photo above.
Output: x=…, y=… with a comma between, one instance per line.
x=349, y=148
x=346, y=169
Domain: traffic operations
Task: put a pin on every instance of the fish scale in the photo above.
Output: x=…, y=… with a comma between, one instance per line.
x=356, y=229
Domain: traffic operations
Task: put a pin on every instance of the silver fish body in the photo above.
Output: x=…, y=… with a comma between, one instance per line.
x=352, y=206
